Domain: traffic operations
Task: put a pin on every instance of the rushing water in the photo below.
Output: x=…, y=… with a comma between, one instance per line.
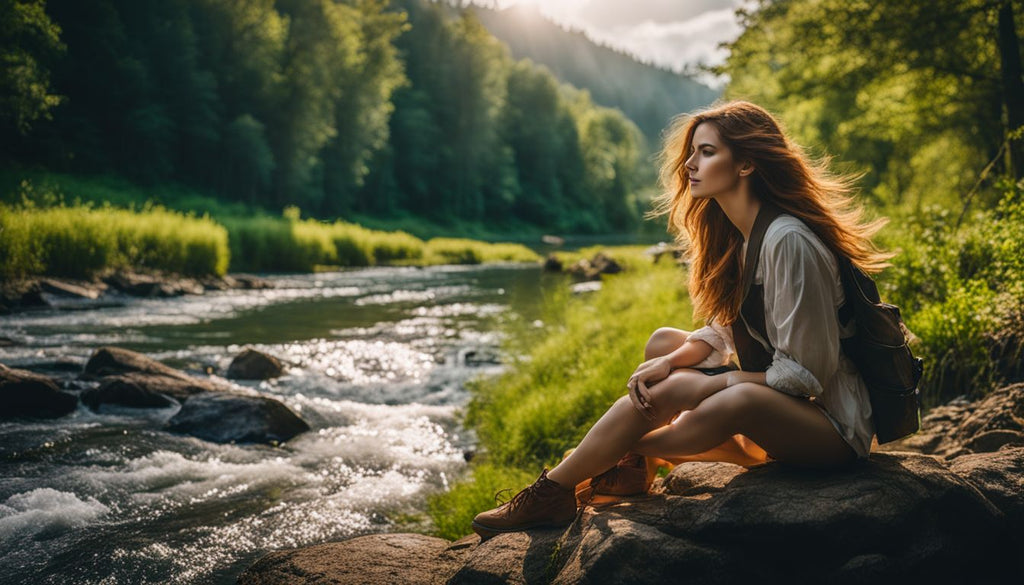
x=378, y=361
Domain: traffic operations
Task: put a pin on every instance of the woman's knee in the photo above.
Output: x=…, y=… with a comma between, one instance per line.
x=664, y=341
x=736, y=403
x=683, y=389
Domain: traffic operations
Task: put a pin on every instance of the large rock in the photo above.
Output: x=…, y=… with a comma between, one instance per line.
x=141, y=390
x=149, y=285
x=113, y=361
x=224, y=417
x=897, y=514
x=24, y=393
x=379, y=559
x=962, y=427
x=254, y=365
x=79, y=289
x=592, y=269
x=998, y=475
x=108, y=361
x=897, y=518
x=20, y=294
x=247, y=281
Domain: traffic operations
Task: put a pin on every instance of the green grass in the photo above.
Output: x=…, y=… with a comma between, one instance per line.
x=571, y=371
x=80, y=241
x=463, y=251
x=293, y=244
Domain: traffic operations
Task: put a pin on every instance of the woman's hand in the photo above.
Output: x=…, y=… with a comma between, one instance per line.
x=641, y=398
x=651, y=372
x=647, y=374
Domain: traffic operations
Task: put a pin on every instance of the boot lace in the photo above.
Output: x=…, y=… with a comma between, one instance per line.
x=517, y=501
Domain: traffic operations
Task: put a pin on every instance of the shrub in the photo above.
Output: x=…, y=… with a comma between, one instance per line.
x=962, y=293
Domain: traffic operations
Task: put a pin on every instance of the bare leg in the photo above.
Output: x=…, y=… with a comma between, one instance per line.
x=790, y=429
x=738, y=448
x=622, y=426
x=607, y=441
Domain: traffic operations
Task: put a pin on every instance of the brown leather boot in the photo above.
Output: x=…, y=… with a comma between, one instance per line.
x=545, y=504
x=631, y=476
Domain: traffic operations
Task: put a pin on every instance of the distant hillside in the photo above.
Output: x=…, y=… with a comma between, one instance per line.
x=648, y=95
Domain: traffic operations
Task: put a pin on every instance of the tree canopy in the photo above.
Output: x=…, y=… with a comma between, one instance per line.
x=919, y=95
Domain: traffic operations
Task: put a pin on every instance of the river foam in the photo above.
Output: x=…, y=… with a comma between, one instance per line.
x=45, y=512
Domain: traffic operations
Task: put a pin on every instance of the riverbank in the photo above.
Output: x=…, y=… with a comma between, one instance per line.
x=111, y=287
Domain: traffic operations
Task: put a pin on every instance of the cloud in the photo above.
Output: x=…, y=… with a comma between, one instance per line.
x=677, y=44
x=608, y=14
x=670, y=33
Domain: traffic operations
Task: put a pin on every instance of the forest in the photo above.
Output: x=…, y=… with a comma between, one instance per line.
x=342, y=108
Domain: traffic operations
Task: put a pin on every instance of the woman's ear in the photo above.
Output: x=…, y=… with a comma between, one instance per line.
x=746, y=169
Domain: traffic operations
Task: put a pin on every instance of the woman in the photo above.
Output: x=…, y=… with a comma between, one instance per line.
x=808, y=405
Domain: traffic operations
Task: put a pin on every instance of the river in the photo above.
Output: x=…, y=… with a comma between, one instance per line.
x=378, y=364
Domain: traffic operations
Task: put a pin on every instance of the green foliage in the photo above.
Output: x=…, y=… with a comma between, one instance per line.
x=80, y=241
x=908, y=92
x=28, y=39
x=962, y=293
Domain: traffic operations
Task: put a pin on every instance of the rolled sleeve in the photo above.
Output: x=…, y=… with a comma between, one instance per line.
x=720, y=340
x=802, y=325
x=788, y=376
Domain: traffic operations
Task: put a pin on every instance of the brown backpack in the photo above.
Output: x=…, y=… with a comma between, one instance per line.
x=878, y=348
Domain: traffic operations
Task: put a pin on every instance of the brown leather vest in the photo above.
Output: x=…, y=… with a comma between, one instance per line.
x=753, y=356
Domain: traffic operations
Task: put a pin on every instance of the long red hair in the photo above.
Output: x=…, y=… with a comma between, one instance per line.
x=783, y=176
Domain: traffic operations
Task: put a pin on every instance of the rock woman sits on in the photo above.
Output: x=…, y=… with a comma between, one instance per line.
x=803, y=403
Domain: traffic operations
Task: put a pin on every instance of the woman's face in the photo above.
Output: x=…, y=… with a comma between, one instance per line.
x=713, y=170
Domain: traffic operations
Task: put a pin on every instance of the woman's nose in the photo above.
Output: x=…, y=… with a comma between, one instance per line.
x=690, y=163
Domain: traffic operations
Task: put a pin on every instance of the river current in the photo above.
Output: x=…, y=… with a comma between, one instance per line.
x=378, y=361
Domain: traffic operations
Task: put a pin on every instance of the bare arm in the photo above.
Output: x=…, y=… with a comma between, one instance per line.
x=654, y=370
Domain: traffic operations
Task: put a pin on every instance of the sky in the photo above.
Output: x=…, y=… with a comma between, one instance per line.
x=679, y=34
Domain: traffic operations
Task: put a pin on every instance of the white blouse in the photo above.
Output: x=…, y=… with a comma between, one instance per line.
x=802, y=296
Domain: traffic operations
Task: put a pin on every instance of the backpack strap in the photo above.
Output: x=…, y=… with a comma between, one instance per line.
x=753, y=356
x=765, y=217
